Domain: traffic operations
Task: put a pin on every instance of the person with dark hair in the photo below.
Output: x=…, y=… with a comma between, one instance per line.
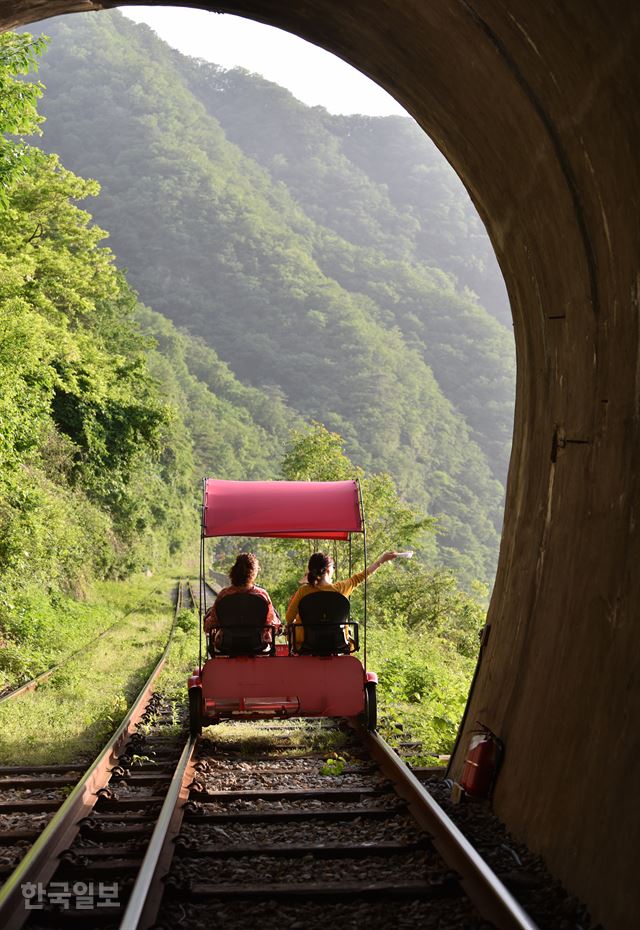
x=320, y=578
x=242, y=576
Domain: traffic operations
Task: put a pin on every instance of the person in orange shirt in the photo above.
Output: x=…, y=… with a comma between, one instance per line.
x=320, y=578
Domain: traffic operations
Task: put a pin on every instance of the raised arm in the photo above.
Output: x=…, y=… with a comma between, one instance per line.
x=385, y=557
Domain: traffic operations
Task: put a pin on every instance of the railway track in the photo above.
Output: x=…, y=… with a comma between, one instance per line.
x=43, y=808
x=320, y=822
x=212, y=589
x=344, y=846
x=268, y=839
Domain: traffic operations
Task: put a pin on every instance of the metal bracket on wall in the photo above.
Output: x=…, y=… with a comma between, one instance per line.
x=559, y=441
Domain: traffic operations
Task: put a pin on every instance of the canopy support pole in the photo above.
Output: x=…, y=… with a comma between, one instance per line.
x=364, y=547
x=202, y=608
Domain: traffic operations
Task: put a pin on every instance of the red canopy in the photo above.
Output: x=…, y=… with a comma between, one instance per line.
x=282, y=509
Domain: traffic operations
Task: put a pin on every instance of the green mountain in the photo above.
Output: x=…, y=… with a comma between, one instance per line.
x=377, y=182
x=305, y=250
x=381, y=186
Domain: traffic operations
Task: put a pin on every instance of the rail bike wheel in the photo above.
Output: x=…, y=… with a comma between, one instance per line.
x=195, y=711
x=371, y=705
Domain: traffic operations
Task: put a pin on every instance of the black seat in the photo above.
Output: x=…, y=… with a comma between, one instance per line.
x=325, y=618
x=241, y=621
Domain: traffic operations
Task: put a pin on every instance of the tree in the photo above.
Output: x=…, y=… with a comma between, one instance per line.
x=18, y=108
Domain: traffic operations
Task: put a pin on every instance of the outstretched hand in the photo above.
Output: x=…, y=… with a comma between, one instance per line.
x=385, y=557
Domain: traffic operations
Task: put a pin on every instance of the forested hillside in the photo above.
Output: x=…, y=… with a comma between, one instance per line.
x=378, y=182
x=315, y=271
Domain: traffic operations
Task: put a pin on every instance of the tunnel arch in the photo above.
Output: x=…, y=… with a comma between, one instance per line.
x=535, y=106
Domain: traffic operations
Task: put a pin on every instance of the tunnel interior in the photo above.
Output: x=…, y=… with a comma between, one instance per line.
x=535, y=107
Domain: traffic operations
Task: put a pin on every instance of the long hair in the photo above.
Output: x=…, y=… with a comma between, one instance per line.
x=319, y=563
x=246, y=566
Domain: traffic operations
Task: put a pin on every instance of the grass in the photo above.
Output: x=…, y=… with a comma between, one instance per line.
x=250, y=738
x=39, y=635
x=74, y=712
x=422, y=691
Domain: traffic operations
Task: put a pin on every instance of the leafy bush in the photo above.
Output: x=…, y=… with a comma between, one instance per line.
x=423, y=686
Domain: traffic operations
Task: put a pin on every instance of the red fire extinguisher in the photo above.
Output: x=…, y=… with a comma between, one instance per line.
x=481, y=764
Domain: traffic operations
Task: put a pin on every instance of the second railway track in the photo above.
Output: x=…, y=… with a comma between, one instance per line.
x=43, y=808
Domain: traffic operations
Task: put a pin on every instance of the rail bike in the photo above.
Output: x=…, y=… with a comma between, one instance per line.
x=249, y=676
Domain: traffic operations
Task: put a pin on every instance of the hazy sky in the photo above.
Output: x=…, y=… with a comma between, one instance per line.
x=311, y=74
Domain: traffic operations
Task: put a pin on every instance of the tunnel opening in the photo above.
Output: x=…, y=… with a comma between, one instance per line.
x=85, y=144
x=547, y=154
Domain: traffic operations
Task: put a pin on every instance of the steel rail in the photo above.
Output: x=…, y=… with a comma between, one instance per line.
x=494, y=901
x=214, y=588
x=144, y=901
x=41, y=861
x=33, y=683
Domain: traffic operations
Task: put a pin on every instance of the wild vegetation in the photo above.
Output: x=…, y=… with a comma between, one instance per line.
x=70, y=716
x=110, y=414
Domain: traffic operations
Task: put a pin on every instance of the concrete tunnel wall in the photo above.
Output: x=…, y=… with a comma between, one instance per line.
x=536, y=107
